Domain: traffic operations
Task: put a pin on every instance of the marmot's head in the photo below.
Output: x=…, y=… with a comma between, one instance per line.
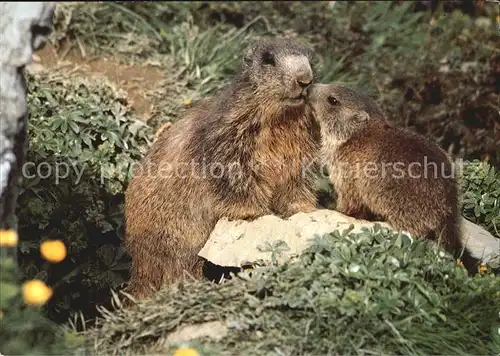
x=278, y=70
x=341, y=110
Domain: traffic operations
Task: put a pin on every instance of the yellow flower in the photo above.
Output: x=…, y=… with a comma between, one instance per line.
x=53, y=251
x=186, y=351
x=35, y=292
x=187, y=102
x=460, y=263
x=8, y=238
x=483, y=268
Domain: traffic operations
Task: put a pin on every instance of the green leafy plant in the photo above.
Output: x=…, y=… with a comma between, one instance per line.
x=480, y=185
x=83, y=142
x=374, y=292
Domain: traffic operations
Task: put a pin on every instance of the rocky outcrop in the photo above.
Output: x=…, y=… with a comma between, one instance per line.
x=238, y=243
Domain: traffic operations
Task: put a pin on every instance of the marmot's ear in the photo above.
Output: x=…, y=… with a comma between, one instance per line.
x=253, y=46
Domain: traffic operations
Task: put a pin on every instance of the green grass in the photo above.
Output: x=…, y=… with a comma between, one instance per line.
x=370, y=293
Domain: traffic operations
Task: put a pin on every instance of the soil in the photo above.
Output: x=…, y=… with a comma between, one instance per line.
x=134, y=79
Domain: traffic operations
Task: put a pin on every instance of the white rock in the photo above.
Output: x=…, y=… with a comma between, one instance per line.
x=481, y=243
x=214, y=330
x=236, y=243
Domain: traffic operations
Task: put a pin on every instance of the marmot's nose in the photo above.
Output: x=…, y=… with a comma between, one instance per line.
x=298, y=68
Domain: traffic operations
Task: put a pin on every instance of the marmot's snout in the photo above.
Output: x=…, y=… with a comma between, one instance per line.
x=304, y=75
x=301, y=74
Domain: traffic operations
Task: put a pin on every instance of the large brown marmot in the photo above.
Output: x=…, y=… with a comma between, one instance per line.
x=240, y=155
x=380, y=171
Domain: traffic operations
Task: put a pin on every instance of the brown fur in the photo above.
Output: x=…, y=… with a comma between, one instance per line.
x=378, y=170
x=259, y=123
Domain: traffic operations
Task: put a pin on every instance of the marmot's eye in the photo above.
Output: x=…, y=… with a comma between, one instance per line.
x=333, y=101
x=268, y=58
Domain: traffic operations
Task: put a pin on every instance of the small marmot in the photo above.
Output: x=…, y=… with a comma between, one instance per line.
x=240, y=154
x=380, y=171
